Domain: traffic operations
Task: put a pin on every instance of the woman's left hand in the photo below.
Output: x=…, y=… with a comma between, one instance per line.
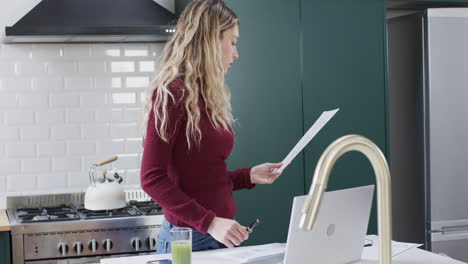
x=263, y=173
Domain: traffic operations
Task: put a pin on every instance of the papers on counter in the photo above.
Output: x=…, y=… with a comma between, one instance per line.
x=313, y=130
x=245, y=254
x=398, y=248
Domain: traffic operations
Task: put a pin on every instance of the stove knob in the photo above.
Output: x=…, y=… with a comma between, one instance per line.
x=63, y=248
x=93, y=245
x=107, y=244
x=136, y=244
x=78, y=248
x=151, y=243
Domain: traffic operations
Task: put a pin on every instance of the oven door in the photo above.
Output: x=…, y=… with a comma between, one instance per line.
x=87, y=260
x=91, y=260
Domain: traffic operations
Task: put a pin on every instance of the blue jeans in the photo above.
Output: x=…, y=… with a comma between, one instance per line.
x=199, y=241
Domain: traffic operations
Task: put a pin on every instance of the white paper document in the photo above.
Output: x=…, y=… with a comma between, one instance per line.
x=244, y=254
x=313, y=130
x=398, y=248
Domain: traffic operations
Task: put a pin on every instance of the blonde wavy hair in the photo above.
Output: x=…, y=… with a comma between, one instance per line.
x=193, y=55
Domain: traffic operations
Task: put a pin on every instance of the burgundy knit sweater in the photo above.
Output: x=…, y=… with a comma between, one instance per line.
x=192, y=186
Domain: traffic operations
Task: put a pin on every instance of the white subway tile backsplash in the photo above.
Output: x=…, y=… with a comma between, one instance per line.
x=19, y=117
x=95, y=99
x=8, y=100
x=146, y=66
x=50, y=83
x=9, y=166
x=8, y=133
x=2, y=184
x=52, y=181
x=37, y=101
x=127, y=161
x=66, y=164
x=36, y=133
x=36, y=165
x=64, y=100
x=133, y=145
x=91, y=67
x=64, y=107
x=81, y=147
x=62, y=67
x=21, y=183
x=66, y=132
x=133, y=114
x=53, y=148
x=107, y=82
x=16, y=51
x=80, y=116
x=78, y=179
x=137, y=82
x=77, y=51
x=132, y=177
x=30, y=68
x=50, y=117
x=20, y=150
x=97, y=131
x=7, y=68
x=136, y=51
x=111, y=146
x=124, y=98
x=78, y=83
x=125, y=131
x=105, y=51
x=122, y=66
x=17, y=84
x=46, y=51
x=108, y=115
x=156, y=49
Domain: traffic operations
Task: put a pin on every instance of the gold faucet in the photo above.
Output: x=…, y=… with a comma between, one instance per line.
x=320, y=181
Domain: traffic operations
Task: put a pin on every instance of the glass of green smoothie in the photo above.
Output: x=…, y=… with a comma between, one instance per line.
x=181, y=245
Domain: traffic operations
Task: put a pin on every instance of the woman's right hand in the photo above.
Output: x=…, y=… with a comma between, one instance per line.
x=228, y=232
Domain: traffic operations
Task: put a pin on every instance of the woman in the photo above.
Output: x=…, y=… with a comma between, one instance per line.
x=188, y=135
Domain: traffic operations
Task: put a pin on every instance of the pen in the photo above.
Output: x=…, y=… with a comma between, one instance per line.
x=253, y=224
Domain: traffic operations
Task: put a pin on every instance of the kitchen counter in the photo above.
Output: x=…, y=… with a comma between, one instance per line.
x=410, y=257
x=4, y=222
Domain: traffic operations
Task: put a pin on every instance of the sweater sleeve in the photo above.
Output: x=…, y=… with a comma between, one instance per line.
x=241, y=179
x=155, y=180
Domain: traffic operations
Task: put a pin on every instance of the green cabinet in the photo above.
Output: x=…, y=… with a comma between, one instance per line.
x=343, y=65
x=5, y=251
x=267, y=101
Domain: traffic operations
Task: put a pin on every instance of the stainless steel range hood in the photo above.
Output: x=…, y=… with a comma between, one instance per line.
x=58, y=21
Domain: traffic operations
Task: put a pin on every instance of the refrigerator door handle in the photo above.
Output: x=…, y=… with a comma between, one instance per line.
x=451, y=233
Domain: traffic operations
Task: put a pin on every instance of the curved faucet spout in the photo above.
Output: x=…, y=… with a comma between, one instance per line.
x=320, y=181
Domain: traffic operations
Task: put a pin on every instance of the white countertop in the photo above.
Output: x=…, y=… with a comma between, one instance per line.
x=412, y=256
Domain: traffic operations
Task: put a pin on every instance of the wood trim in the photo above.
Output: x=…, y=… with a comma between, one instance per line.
x=4, y=222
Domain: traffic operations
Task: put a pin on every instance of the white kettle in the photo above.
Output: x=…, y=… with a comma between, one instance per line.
x=104, y=194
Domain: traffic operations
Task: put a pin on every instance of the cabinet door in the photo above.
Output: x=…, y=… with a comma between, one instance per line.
x=344, y=67
x=5, y=255
x=267, y=102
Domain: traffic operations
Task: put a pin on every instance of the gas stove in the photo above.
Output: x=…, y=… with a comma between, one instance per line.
x=57, y=229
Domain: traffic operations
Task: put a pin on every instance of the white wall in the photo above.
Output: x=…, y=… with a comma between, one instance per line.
x=66, y=106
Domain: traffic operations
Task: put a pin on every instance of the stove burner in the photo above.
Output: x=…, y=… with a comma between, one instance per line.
x=123, y=212
x=147, y=207
x=46, y=214
x=77, y=212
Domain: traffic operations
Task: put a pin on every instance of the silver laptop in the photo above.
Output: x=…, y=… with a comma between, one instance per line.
x=338, y=234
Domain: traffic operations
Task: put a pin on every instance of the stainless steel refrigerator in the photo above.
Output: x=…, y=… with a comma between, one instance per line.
x=428, y=120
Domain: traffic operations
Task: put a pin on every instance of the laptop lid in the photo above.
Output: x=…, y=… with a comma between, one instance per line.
x=339, y=231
